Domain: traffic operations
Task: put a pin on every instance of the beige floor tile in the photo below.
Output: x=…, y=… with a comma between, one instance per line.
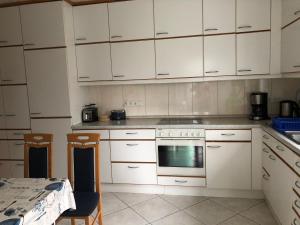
x=154, y=209
x=111, y=203
x=260, y=214
x=124, y=217
x=134, y=198
x=179, y=218
x=182, y=202
x=210, y=212
x=238, y=220
x=237, y=204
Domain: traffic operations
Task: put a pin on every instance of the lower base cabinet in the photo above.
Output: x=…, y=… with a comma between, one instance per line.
x=12, y=169
x=181, y=181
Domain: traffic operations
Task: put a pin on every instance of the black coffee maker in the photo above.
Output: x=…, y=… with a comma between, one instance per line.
x=259, y=104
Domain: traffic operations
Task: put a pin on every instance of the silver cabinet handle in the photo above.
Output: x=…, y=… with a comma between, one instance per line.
x=296, y=66
x=213, y=146
x=297, y=164
x=119, y=76
x=230, y=134
x=116, y=36
x=161, y=33
x=131, y=133
x=181, y=181
x=213, y=71
x=81, y=39
x=2, y=42
x=18, y=133
x=35, y=113
x=6, y=80
x=265, y=177
x=297, y=12
x=245, y=27
x=297, y=184
x=245, y=70
x=84, y=77
x=272, y=157
x=133, y=167
x=163, y=74
x=10, y=115
x=131, y=145
x=266, y=137
x=297, y=204
x=29, y=44
x=19, y=144
x=294, y=222
x=265, y=150
x=19, y=164
x=280, y=148
x=211, y=29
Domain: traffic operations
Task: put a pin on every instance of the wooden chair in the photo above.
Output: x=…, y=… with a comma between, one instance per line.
x=83, y=172
x=38, y=155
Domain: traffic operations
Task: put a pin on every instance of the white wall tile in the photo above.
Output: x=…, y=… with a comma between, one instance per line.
x=205, y=98
x=181, y=99
x=157, y=99
x=111, y=98
x=131, y=94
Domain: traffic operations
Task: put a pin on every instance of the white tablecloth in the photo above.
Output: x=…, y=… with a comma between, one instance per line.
x=26, y=201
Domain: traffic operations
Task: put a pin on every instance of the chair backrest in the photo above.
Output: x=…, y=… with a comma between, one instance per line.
x=38, y=155
x=84, y=161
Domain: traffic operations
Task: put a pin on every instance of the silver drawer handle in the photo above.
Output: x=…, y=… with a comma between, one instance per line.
x=213, y=71
x=133, y=167
x=29, y=44
x=265, y=177
x=297, y=164
x=119, y=75
x=211, y=29
x=131, y=145
x=6, y=80
x=297, y=12
x=280, y=148
x=297, y=184
x=244, y=70
x=161, y=33
x=265, y=150
x=245, y=27
x=81, y=39
x=272, y=157
x=18, y=133
x=10, y=115
x=19, y=144
x=132, y=133
x=19, y=164
x=84, y=77
x=35, y=113
x=163, y=74
x=181, y=181
x=116, y=36
x=231, y=134
x=295, y=222
x=266, y=137
x=213, y=146
x=3, y=42
x=297, y=204
x=296, y=66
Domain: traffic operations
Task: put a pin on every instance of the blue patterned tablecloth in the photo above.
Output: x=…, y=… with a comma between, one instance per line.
x=25, y=201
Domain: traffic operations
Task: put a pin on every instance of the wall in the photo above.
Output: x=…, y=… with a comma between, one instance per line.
x=208, y=98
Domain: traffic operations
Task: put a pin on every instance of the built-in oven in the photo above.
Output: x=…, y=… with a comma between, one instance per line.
x=180, y=152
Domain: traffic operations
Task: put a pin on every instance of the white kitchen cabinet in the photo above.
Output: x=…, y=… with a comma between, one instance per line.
x=91, y=23
x=290, y=48
x=266, y=176
x=5, y=169
x=16, y=149
x=47, y=83
x=228, y=135
x=133, y=60
x=218, y=16
x=228, y=165
x=17, y=169
x=43, y=25
x=133, y=134
x=4, y=152
x=219, y=55
x=16, y=134
x=10, y=26
x=290, y=11
x=2, y=113
x=253, y=15
x=181, y=181
x=182, y=57
x=93, y=62
x=12, y=67
x=253, y=53
x=187, y=14
x=131, y=20
x=16, y=107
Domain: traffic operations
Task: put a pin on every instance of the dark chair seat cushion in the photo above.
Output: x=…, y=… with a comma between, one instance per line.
x=86, y=203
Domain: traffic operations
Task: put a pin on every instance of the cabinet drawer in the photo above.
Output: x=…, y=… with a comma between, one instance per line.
x=17, y=169
x=16, y=149
x=3, y=134
x=133, y=151
x=132, y=134
x=134, y=173
x=181, y=181
x=228, y=135
x=5, y=169
x=104, y=134
x=17, y=134
x=265, y=156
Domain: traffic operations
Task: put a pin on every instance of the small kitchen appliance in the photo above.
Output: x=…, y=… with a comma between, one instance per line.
x=289, y=109
x=119, y=114
x=89, y=113
x=259, y=105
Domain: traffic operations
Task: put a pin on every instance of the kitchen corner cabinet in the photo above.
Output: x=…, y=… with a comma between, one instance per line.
x=43, y=25
x=10, y=26
x=290, y=11
x=131, y=20
x=219, y=55
x=228, y=165
x=253, y=53
x=182, y=57
x=47, y=82
x=133, y=60
x=12, y=67
x=177, y=18
x=93, y=62
x=218, y=16
x=253, y=15
x=91, y=23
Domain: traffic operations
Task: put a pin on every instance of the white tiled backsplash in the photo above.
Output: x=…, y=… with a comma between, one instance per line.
x=208, y=98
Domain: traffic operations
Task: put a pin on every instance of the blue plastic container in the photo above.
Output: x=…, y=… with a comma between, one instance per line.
x=286, y=124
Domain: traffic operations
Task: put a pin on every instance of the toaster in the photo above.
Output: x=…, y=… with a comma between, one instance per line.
x=89, y=113
x=119, y=114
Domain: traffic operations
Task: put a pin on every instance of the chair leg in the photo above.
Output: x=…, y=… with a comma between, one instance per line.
x=88, y=220
x=100, y=214
x=73, y=222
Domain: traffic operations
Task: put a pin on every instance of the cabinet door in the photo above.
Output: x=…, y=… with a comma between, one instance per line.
x=93, y=62
x=253, y=15
x=131, y=20
x=4, y=152
x=290, y=11
x=47, y=83
x=12, y=68
x=2, y=113
x=5, y=169
x=181, y=57
x=91, y=23
x=253, y=53
x=105, y=162
x=133, y=60
x=17, y=169
x=291, y=48
x=43, y=25
x=187, y=14
x=219, y=55
x=228, y=165
x=10, y=26
x=16, y=149
x=218, y=16
x=16, y=107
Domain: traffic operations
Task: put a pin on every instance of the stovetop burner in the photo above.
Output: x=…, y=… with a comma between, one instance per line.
x=179, y=121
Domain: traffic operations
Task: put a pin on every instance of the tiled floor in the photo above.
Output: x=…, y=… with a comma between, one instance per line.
x=143, y=209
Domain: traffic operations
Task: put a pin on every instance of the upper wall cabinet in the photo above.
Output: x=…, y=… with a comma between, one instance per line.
x=43, y=25
x=12, y=68
x=177, y=18
x=253, y=53
x=180, y=57
x=91, y=23
x=253, y=15
x=131, y=20
x=290, y=11
x=10, y=26
x=133, y=60
x=218, y=16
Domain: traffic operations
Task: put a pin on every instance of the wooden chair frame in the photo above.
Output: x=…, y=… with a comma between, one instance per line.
x=37, y=140
x=85, y=141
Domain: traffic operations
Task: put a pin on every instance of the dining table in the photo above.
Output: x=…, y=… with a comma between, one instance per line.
x=34, y=201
